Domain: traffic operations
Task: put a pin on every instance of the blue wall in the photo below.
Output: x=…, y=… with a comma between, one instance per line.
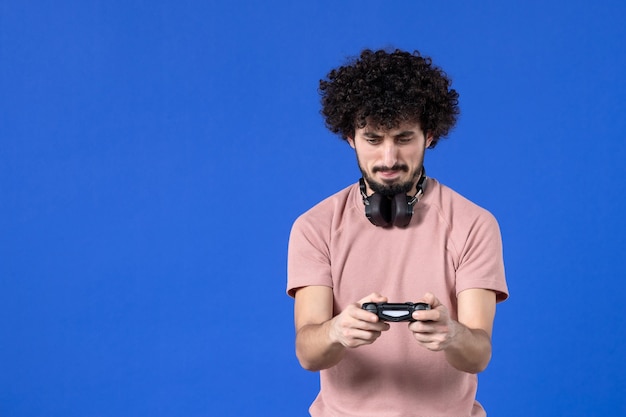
x=153, y=155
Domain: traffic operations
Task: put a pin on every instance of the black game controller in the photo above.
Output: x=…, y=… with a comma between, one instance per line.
x=395, y=311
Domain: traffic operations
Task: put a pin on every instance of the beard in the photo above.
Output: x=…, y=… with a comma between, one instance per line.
x=390, y=190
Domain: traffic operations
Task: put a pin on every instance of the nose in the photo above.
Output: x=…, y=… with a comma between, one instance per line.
x=390, y=154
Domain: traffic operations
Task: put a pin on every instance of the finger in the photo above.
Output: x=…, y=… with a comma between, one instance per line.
x=433, y=315
x=373, y=298
x=362, y=317
x=430, y=340
x=367, y=320
x=429, y=298
x=358, y=337
x=365, y=338
x=421, y=327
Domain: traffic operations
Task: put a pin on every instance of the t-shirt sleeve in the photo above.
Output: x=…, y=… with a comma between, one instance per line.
x=308, y=260
x=481, y=263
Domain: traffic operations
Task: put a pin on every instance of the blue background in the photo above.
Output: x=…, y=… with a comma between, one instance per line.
x=154, y=154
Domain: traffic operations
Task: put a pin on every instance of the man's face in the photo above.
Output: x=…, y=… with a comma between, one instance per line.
x=390, y=160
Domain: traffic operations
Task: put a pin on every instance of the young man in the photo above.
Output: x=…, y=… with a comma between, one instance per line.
x=395, y=236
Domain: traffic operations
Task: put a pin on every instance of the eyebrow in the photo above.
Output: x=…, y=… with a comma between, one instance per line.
x=404, y=133
x=372, y=134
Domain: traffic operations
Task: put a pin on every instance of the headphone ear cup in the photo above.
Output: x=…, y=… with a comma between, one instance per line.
x=378, y=211
x=401, y=210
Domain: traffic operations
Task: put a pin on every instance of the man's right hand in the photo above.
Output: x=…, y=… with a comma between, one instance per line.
x=355, y=327
x=321, y=338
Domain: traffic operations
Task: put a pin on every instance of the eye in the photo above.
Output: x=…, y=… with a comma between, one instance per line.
x=373, y=141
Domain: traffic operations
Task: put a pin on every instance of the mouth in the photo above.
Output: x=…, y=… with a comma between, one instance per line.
x=390, y=174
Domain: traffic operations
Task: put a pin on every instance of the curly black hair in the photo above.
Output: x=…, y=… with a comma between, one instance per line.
x=385, y=89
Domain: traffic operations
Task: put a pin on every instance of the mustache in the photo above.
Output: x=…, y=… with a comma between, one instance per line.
x=397, y=167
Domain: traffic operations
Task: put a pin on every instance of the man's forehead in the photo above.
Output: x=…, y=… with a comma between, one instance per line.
x=402, y=127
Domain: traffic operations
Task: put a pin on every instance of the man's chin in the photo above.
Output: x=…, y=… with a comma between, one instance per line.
x=389, y=189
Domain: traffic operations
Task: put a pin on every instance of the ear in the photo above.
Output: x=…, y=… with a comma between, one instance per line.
x=429, y=139
x=351, y=142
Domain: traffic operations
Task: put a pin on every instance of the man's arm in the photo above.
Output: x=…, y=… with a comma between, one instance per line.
x=321, y=339
x=466, y=342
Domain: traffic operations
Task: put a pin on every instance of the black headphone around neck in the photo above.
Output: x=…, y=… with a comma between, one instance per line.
x=391, y=211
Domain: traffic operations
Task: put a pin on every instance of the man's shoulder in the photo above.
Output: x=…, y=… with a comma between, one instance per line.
x=329, y=205
x=451, y=203
x=330, y=211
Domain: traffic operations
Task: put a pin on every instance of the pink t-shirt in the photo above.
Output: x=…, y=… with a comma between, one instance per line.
x=450, y=245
